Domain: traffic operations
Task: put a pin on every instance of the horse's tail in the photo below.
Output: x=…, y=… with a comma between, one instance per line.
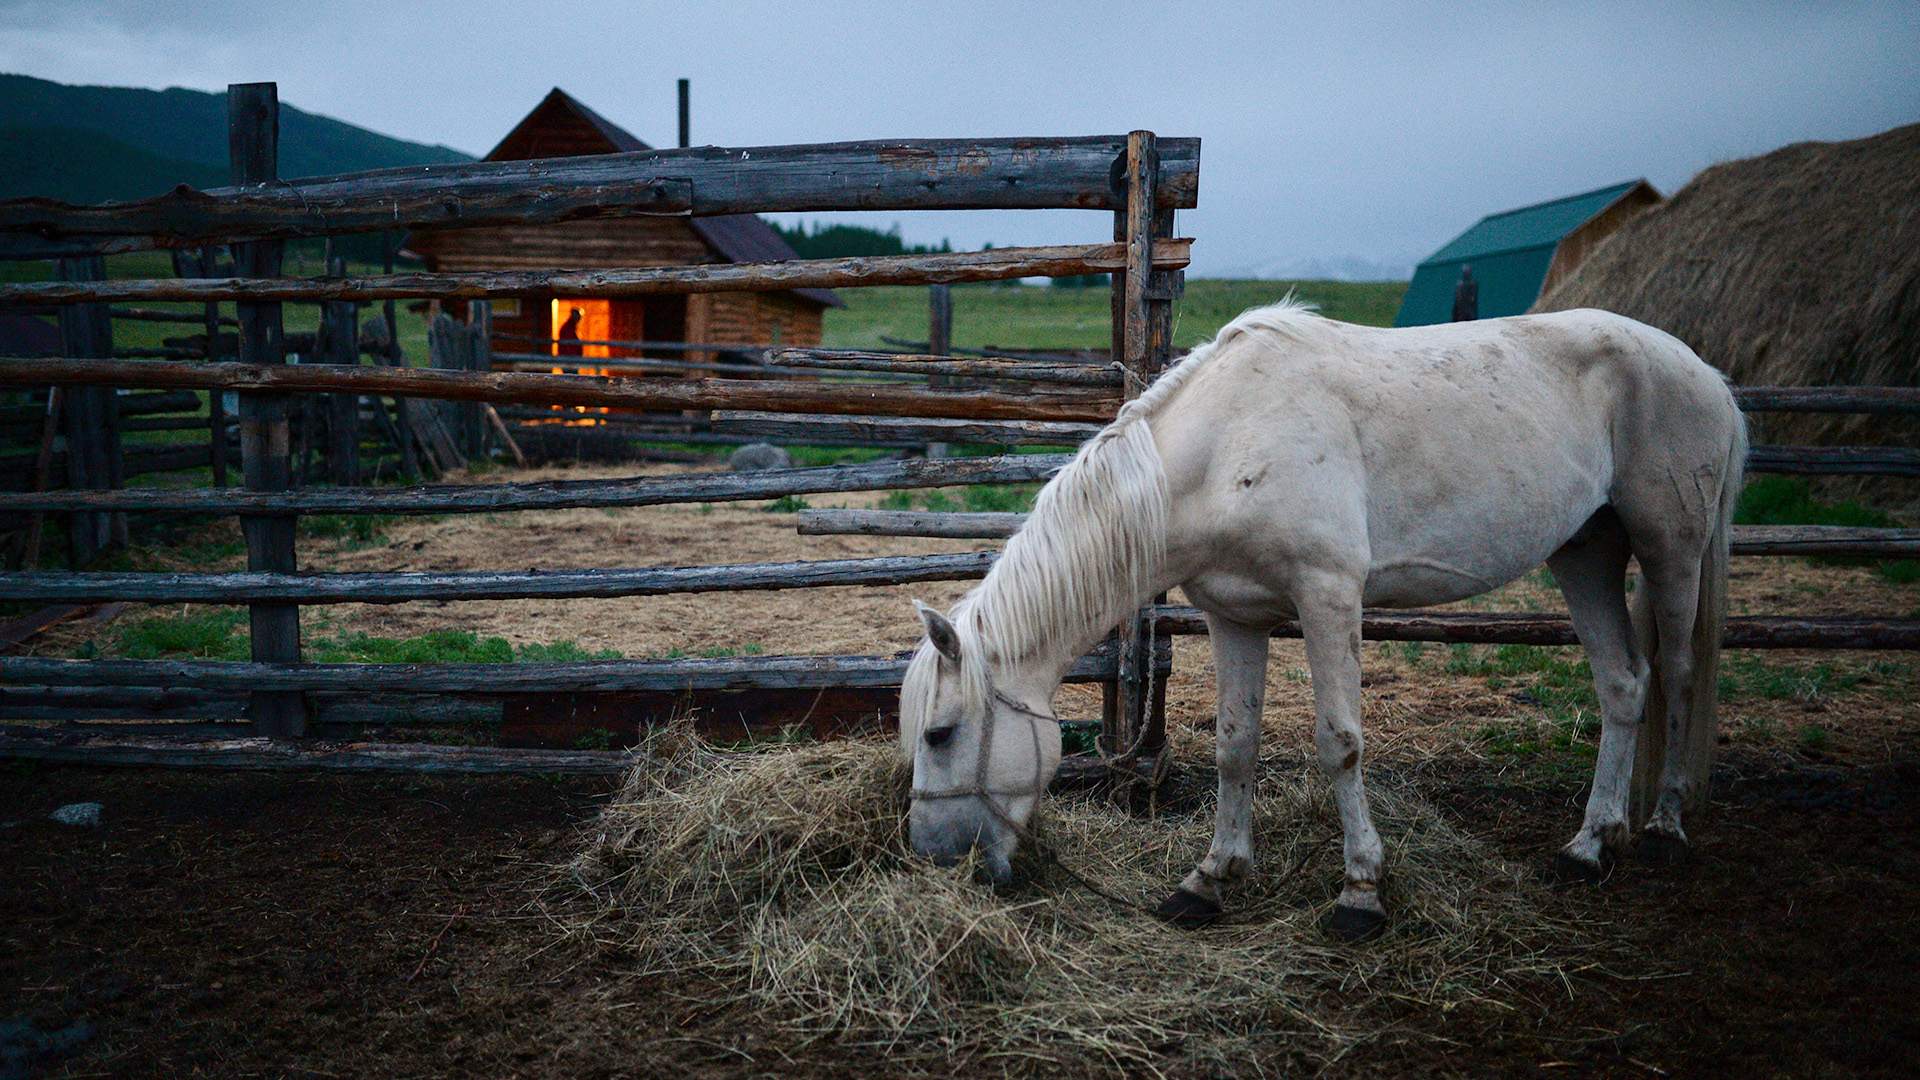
x=1709, y=624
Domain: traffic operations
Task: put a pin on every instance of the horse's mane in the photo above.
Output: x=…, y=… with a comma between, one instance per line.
x=1093, y=545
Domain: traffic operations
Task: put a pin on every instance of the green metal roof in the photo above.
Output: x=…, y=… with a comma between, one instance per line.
x=1510, y=252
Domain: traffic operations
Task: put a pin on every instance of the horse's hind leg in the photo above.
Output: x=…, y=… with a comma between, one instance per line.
x=1591, y=570
x=1673, y=585
x=1329, y=609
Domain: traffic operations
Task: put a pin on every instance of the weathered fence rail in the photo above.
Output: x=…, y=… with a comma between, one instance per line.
x=998, y=264
x=927, y=174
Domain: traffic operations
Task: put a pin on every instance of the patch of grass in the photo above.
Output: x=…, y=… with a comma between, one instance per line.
x=787, y=504
x=207, y=634
x=811, y=456
x=1746, y=675
x=1000, y=498
x=939, y=502
x=1813, y=739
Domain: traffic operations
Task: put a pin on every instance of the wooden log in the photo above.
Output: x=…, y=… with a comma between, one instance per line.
x=612, y=676
x=499, y=428
x=100, y=748
x=997, y=264
x=1747, y=539
x=638, y=346
x=337, y=710
x=265, y=587
x=562, y=494
x=164, y=353
x=1533, y=628
x=172, y=401
x=538, y=362
x=157, y=315
x=1838, y=540
x=927, y=174
x=253, y=154
x=91, y=419
x=886, y=429
x=522, y=388
x=1129, y=717
x=945, y=366
x=1835, y=460
x=959, y=526
x=1888, y=400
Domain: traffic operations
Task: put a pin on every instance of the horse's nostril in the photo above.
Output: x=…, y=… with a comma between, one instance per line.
x=939, y=736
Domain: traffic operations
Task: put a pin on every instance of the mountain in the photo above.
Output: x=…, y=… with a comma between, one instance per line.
x=93, y=143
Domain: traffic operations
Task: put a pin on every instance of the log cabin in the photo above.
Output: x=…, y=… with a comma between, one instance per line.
x=560, y=126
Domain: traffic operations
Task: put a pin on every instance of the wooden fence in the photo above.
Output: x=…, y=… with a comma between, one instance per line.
x=1138, y=180
x=932, y=397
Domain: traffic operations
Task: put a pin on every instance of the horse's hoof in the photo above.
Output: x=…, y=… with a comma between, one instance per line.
x=1353, y=925
x=1188, y=910
x=1569, y=869
x=1662, y=849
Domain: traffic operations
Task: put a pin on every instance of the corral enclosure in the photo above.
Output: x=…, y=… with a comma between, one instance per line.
x=1448, y=714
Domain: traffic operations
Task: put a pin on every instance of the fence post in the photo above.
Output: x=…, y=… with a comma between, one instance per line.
x=253, y=138
x=90, y=417
x=1134, y=711
x=338, y=342
x=939, y=343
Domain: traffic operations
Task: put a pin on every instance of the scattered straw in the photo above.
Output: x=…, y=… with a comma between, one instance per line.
x=782, y=877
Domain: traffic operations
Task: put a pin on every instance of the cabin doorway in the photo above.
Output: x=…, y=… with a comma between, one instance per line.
x=578, y=322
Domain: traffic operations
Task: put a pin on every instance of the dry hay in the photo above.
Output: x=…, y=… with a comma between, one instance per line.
x=1796, y=268
x=781, y=879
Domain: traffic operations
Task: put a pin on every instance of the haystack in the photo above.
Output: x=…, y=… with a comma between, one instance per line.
x=780, y=880
x=1796, y=268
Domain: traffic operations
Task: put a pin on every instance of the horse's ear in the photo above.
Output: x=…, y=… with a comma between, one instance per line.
x=940, y=632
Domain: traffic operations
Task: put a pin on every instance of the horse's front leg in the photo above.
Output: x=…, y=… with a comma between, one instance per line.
x=1240, y=675
x=1329, y=607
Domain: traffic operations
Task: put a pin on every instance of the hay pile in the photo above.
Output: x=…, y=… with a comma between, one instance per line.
x=1797, y=268
x=781, y=877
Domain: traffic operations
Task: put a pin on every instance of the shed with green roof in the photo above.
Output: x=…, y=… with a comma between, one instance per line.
x=1517, y=254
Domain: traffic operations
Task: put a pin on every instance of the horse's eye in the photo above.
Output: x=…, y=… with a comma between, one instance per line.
x=939, y=736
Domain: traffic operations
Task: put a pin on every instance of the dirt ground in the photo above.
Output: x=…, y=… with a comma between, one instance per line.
x=303, y=925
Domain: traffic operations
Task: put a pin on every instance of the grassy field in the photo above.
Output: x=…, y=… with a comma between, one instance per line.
x=1043, y=318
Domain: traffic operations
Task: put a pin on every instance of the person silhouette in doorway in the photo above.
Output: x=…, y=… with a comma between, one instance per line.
x=570, y=334
x=1466, y=297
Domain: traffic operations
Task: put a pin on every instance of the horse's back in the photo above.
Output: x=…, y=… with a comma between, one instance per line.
x=1449, y=459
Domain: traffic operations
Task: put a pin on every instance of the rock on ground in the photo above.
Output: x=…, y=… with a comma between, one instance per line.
x=754, y=457
x=80, y=813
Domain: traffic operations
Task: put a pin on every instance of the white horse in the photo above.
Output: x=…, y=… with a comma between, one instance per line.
x=1301, y=468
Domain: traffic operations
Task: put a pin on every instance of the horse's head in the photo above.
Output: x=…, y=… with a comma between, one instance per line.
x=981, y=755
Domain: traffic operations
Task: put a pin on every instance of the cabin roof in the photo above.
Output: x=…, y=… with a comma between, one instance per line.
x=736, y=237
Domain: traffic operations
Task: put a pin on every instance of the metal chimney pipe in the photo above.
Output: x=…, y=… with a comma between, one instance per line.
x=686, y=119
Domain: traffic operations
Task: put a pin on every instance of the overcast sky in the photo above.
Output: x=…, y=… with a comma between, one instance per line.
x=1335, y=135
